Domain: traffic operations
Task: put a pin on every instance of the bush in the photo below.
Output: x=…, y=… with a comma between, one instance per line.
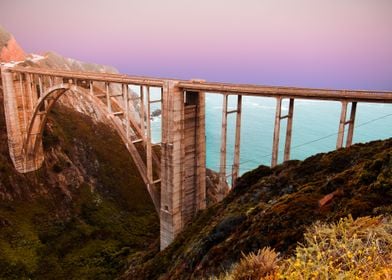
x=349, y=249
x=255, y=266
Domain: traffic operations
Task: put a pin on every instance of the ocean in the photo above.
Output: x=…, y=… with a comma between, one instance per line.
x=315, y=127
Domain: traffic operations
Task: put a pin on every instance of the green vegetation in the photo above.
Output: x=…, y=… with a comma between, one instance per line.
x=82, y=215
x=273, y=208
x=349, y=249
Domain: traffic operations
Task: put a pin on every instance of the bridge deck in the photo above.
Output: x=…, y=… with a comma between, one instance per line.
x=224, y=88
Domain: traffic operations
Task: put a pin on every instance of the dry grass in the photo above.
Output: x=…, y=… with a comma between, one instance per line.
x=349, y=249
x=254, y=266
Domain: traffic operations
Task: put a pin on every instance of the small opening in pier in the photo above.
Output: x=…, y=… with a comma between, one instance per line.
x=190, y=98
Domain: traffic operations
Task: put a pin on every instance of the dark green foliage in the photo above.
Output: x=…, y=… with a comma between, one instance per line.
x=87, y=233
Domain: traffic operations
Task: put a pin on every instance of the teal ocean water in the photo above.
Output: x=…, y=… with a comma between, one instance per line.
x=315, y=127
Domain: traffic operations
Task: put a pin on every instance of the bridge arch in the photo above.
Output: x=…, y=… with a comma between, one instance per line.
x=39, y=118
x=32, y=145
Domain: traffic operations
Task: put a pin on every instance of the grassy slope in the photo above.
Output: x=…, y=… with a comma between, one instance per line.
x=273, y=207
x=48, y=233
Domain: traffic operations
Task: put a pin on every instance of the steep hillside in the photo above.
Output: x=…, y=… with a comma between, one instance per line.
x=273, y=207
x=81, y=214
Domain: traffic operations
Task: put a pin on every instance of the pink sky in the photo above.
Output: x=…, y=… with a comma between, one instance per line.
x=324, y=43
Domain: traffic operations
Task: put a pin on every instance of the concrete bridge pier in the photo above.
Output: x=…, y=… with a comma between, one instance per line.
x=344, y=122
x=289, y=130
x=183, y=185
x=20, y=95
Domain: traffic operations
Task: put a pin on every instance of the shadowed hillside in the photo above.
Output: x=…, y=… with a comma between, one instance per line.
x=273, y=207
x=82, y=214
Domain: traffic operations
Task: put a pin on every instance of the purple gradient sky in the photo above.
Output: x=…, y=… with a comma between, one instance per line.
x=324, y=43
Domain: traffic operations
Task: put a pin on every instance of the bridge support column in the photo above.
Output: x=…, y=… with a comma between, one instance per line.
x=275, y=142
x=343, y=122
x=350, y=132
x=289, y=130
x=183, y=172
x=237, y=143
x=18, y=111
x=223, y=153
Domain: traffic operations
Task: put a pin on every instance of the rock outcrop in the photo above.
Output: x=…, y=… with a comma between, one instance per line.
x=9, y=48
x=215, y=191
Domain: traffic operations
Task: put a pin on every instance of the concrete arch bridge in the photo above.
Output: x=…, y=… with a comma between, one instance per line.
x=175, y=179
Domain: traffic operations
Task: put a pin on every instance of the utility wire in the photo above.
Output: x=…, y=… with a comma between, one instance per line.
x=246, y=160
x=334, y=134
x=315, y=140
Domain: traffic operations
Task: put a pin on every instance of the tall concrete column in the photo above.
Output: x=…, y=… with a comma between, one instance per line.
x=351, y=123
x=194, y=188
x=342, y=124
x=182, y=159
x=17, y=108
x=14, y=133
x=275, y=142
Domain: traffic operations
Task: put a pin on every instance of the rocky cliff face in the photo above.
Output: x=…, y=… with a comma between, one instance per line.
x=215, y=191
x=9, y=48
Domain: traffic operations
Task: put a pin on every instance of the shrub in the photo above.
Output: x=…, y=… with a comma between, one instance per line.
x=255, y=266
x=349, y=249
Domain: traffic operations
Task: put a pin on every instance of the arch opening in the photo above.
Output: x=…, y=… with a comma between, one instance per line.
x=34, y=133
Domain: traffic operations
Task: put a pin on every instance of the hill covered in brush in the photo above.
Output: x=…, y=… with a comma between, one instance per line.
x=82, y=213
x=273, y=208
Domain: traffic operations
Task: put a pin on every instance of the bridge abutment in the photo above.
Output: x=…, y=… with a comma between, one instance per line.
x=183, y=189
